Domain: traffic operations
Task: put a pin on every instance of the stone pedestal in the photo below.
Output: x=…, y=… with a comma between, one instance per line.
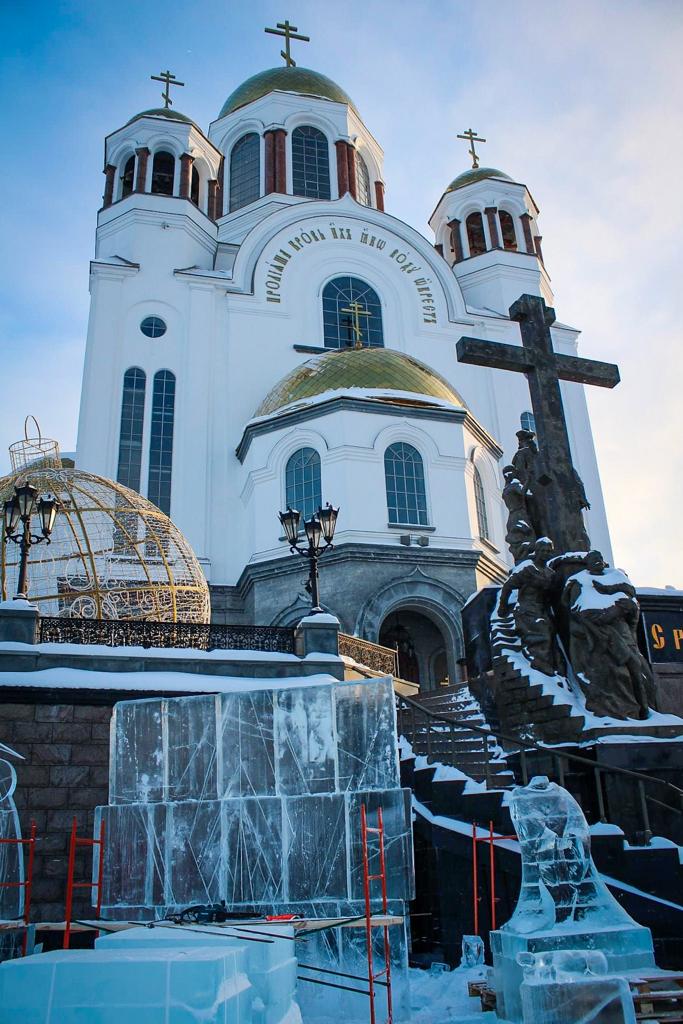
x=18, y=622
x=318, y=634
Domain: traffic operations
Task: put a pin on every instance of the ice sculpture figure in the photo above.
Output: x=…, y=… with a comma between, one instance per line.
x=253, y=796
x=572, y=986
x=472, y=951
x=563, y=902
x=11, y=856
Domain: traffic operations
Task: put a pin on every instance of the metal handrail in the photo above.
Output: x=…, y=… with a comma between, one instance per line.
x=560, y=755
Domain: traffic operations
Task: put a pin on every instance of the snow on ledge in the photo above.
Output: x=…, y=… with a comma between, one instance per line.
x=166, y=682
x=153, y=652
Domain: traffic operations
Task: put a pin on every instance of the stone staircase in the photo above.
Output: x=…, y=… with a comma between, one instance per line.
x=465, y=742
x=646, y=880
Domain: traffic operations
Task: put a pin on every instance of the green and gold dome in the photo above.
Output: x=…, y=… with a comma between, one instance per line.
x=476, y=174
x=302, y=81
x=381, y=374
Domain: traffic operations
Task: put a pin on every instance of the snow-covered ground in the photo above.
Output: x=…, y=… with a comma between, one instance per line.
x=443, y=998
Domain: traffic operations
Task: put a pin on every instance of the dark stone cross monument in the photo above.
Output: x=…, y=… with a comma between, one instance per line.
x=562, y=491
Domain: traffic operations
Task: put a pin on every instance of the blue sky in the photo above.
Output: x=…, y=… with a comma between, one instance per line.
x=581, y=101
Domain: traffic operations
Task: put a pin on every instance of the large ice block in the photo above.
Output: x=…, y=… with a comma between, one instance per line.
x=253, y=796
x=563, y=903
x=573, y=987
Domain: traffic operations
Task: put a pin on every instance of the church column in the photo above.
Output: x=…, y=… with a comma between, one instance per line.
x=351, y=157
x=141, y=177
x=379, y=195
x=212, y=202
x=280, y=161
x=526, y=227
x=186, y=162
x=269, y=160
x=491, y=217
x=108, y=197
x=342, y=168
x=456, y=240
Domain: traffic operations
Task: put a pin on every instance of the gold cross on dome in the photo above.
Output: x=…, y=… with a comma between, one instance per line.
x=357, y=310
x=169, y=79
x=472, y=137
x=289, y=32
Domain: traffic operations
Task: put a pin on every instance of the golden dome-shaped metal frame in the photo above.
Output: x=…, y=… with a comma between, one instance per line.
x=112, y=555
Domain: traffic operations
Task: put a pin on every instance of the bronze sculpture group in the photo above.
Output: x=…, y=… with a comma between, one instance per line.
x=572, y=613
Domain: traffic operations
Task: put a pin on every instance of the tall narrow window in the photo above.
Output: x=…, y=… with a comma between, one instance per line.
x=405, y=481
x=507, y=230
x=362, y=182
x=245, y=171
x=161, y=441
x=302, y=482
x=194, y=186
x=476, y=239
x=480, y=505
x=130, y=435
x=128, y=177
x=310, y=163
x=352, y=314
x=163, y=170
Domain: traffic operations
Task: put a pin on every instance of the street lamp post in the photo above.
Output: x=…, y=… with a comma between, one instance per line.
x=17, y=513
x=319, y=530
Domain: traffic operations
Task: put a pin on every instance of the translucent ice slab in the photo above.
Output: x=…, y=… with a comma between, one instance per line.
x=573, y=987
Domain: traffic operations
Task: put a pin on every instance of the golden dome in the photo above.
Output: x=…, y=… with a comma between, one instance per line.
x=303, y=81
x=112, y=555
x=394, y=376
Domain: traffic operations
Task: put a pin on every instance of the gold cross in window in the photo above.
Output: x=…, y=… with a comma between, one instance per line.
x=289, y=32
x=357, y=310
x=472, y=137
x=169, y=79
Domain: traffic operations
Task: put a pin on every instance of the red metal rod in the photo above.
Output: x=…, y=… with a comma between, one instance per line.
x=368, y=914
x=29, y=887
x=70, y=885
x=492, y=870
x=387, y=947
x=100, y=868
x=475, y=879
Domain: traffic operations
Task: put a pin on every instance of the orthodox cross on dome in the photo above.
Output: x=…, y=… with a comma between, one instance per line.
x=169, y=79
x=289, y=32
x=563, y=494
x=357, y=310
x=472, y=137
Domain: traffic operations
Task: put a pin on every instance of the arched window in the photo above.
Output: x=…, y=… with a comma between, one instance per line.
x=130, y=434
x=161, y=441
x=507, y=230
x=405, y=480
x=310, y=163
x=527, y=421
x=476, y=239
x=480, y=505
x=303, y=489
x=163, y=171
x=128, y=177
x=352, y=314
x=194, y=187
x=362, y=182
x=245, y=171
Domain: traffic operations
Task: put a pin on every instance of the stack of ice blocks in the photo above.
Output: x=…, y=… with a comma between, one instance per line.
x=253, y=797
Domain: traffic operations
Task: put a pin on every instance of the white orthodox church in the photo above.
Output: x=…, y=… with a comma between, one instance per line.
x=264, y=333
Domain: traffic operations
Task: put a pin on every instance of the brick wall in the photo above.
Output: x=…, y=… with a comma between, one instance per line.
x=65, y=774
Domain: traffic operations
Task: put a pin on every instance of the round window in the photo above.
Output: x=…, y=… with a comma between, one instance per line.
x=153, y=327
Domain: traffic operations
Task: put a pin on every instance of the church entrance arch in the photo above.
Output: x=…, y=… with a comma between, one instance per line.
x=422, y=618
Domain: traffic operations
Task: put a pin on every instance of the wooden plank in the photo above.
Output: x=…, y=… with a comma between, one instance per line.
x=301, y=925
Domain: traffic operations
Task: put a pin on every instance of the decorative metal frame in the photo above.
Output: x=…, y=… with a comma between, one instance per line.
x=114, y=555
x=373, y=656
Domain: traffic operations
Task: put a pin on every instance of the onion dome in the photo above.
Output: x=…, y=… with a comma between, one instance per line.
x=167, y=112
x=285, y=79
x=377, y=374
x=476, y=174
x=112, y=553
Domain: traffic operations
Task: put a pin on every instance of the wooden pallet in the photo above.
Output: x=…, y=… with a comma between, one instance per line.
x=658, y=997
